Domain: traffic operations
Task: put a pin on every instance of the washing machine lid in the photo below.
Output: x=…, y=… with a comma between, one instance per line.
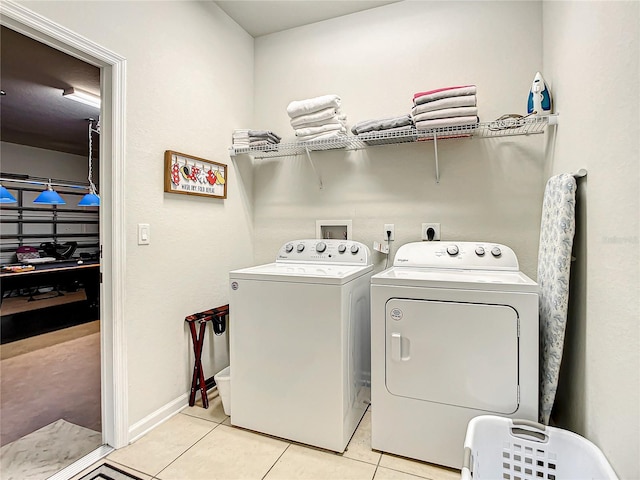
x=302, y=273
x=456, y=279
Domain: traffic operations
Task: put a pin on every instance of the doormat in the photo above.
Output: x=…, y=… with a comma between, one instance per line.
x=109, y=472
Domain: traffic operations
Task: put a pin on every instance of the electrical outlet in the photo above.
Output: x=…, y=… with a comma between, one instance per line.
x=426, y=232
x=389, y=227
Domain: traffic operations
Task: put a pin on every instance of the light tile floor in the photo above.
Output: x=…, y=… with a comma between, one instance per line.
x=201, y=444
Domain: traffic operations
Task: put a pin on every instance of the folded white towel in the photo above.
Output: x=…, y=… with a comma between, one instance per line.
x=313, y=118
x=323, y=136
x=446, y=122
x=340, y=120
x=452, y=102
x=310, y=105
x=304, y=132
x=447, y=113
x=423, y=97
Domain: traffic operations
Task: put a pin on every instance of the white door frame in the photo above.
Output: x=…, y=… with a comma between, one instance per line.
x=115, y=408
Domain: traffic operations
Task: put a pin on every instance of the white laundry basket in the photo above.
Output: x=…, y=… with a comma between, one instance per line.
x=508, y=449
x=223, y=382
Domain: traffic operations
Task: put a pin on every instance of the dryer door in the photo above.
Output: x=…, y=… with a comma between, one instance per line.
x=463, y=354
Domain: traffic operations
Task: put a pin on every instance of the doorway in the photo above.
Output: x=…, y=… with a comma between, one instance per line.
x=114, y=402
x=50, y=307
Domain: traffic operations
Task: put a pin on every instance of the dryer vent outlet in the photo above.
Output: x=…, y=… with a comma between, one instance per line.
x=430, y=231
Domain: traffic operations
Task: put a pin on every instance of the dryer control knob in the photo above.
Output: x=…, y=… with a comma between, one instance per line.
x=289, y=247
x=300, y=247
x=321, y=247
x=496, y=252
x=354, y=249
x=342, y=248
x=452, y=250
x=480, y=251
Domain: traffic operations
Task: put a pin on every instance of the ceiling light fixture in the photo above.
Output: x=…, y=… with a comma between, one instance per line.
x=49, y=197
x=91, y=199
x=6, y=197
x=82, y=97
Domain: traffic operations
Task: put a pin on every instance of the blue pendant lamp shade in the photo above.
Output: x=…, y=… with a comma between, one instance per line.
x=91, y=199
x=49, y=197
x=6, y=197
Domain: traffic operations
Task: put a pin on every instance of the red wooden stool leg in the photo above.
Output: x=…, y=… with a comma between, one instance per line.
x=201, y=380
x=198, y=381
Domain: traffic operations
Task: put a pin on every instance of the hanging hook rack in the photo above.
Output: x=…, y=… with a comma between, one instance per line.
x=580, y=173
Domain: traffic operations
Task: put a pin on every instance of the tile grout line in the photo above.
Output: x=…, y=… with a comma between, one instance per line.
x=179, y=456
x=277, y=460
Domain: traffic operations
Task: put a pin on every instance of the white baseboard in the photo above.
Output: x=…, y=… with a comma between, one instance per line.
x=154, y=419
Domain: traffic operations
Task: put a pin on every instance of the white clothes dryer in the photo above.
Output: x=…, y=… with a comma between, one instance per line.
x=454, y=332
x=300, y=343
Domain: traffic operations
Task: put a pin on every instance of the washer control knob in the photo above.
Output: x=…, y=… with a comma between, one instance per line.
x=480, y=251
x=496, y=252
x=289, y=247
x=300, y=247
x=355, y=249
x=342, y=248
x=321, y=247
x=452, y=250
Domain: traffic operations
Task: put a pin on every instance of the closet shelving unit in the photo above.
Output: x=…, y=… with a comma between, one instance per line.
x=529, y=125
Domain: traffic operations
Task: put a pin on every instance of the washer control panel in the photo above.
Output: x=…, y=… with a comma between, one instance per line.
x=329, y=251
x=460, y=255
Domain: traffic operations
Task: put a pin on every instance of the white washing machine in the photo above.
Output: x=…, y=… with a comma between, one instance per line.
x=454, y=332
x=300, y=343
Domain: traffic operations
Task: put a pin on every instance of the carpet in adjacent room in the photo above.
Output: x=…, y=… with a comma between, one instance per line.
x=46, y=451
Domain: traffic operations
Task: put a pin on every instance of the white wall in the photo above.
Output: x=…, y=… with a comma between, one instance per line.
x=189, y=84
x=38, y=162
x=490, y=190
x=591, y=61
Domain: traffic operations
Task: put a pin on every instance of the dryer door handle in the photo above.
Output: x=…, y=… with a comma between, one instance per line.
x=400, y=347
x=396, y=346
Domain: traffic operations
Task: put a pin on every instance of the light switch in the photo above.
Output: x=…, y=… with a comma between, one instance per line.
x=144, y=234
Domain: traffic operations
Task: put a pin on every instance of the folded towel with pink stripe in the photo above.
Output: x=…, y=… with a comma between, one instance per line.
x=447, y=122
x=446, y=113
x=447, y=92
x=444, y=103
x=445, y=107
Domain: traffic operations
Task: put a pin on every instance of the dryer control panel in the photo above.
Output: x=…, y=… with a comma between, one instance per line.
x=327, y=251
x=458, y=255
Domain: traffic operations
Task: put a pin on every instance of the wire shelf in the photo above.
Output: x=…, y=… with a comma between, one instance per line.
x=499, y=128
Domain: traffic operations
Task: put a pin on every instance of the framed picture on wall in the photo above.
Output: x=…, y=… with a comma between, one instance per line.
x=191, y=175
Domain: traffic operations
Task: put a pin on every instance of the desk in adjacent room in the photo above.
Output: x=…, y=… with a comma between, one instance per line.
x=56, y=274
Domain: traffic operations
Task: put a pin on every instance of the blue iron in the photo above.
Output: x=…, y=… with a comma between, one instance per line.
x=539, y=102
